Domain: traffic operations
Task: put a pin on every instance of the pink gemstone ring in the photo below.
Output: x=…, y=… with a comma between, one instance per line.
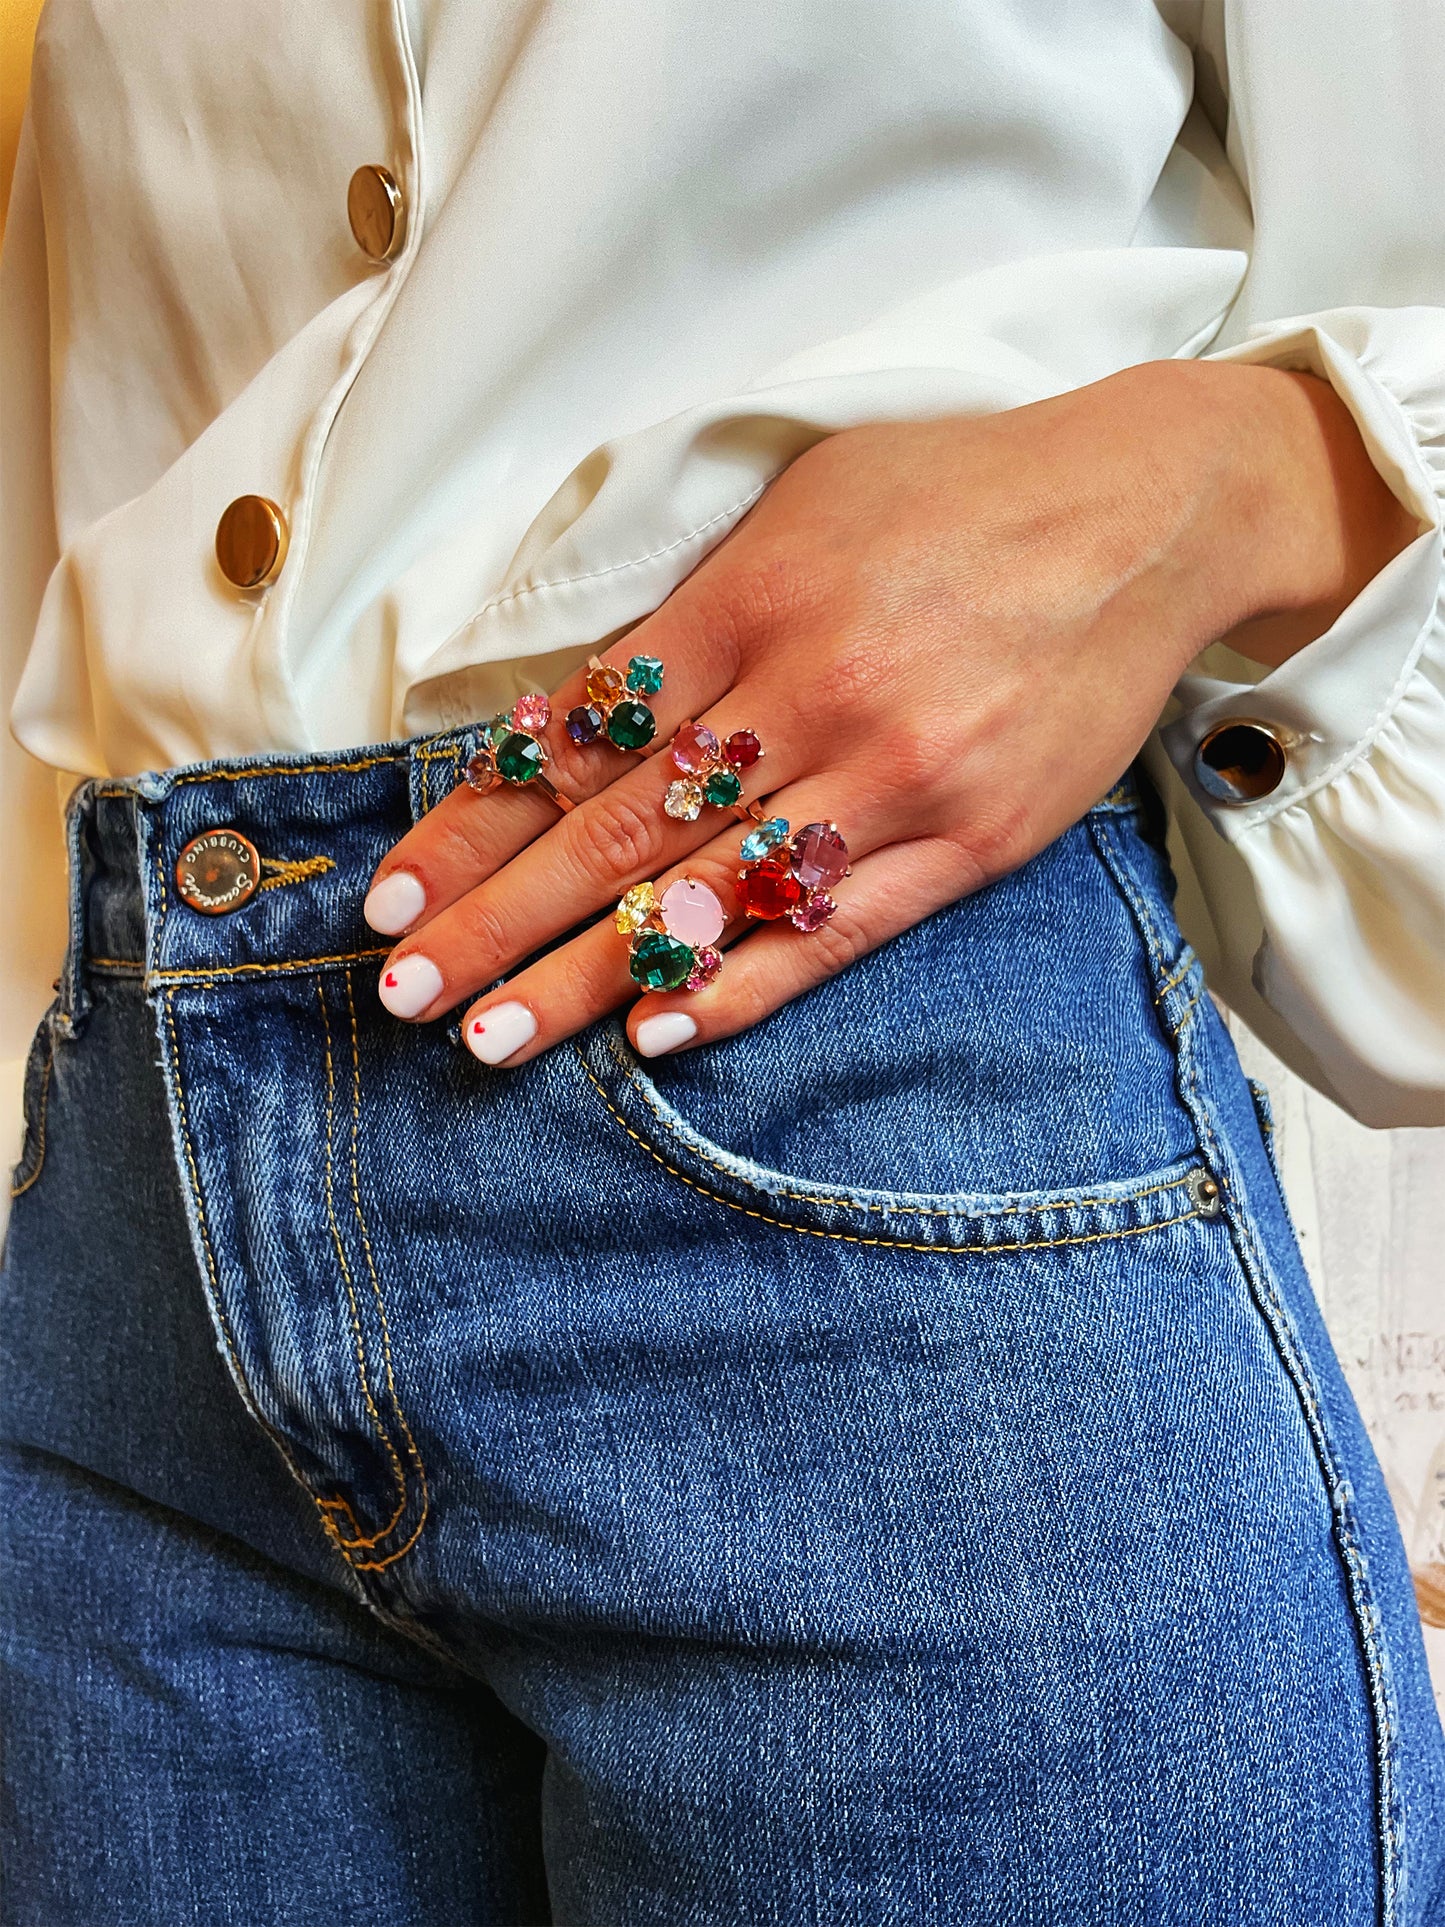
x=788, y=874
x=672, y=937
x=711, y=772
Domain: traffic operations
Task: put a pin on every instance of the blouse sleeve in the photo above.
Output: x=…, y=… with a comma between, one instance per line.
x=32, y=850
x=1325, y=882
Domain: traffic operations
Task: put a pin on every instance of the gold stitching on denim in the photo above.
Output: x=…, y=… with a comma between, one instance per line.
x=213, y=1270
x=285, y=769
x=411, y=1444
x=293, y=870
x=884, y=1210
x=856, y=1238
x=115, y=963
x=359, y=1342
x=19, y=1190
x=284, y=966
x=1180, y=974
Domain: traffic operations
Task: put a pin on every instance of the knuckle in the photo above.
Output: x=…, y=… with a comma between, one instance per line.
x=839, y=942
x=457, y=838
x=482, y=934
x=748, y=1003
x=621, y=835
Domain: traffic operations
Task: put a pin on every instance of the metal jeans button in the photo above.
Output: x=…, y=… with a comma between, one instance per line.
x=218, y=870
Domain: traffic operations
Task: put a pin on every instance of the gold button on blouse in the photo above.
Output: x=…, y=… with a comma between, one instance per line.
x=1240, y=761
x=251, y=539
x=374, y=209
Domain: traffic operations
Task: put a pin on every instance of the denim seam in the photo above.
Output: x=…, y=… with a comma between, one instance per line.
x=1341, y=1502
x=1258, y=1278
x=892, y=1244
x=884, y=1210
x=217, y=1297
x=284, y=966
x=368, y=1543
x=42, y=1112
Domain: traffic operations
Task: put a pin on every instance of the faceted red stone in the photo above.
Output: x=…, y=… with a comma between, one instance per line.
x=820, y=856
x=768, y=889
x=742, y=749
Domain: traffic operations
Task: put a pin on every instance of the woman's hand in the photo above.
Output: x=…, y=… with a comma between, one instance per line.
x=951, y=636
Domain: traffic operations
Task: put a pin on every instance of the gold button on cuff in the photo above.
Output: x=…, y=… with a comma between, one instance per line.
x=374, y=209
x=251, y=539
x=217, y=871
x=1239, y=762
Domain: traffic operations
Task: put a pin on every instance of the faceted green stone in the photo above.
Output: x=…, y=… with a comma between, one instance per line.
x=494, y=729
x=722, y=787
x=519, y=757
x=644, y=675
x=631, y=725
x=661, y=963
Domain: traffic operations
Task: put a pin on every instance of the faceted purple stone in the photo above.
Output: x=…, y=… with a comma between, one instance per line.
x=584, y=723
x=820, y=856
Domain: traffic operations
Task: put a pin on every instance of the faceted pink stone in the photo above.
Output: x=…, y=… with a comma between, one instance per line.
x=531, y=713
x=692, y=913
x=814, y=911
x=694, y=749
x=820, y=856
x=709, y=963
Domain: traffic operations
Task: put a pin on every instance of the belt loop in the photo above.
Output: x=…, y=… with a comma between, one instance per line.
x=74, y=991
x=436, y=766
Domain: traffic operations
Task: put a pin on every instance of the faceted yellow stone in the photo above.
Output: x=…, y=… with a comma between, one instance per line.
x=605, y=686
x=636, y=908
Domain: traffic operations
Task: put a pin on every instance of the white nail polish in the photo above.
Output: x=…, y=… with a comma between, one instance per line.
x=496, y=1034
x=394, y=904
x=667, y=1031
x=409, y=985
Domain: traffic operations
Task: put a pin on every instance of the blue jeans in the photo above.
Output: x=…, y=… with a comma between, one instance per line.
x=885, y=1468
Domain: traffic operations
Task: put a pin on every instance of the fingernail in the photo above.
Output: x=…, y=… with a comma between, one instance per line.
x=409, y=985
x=495, y=1035
x=395, y=903
x=669, y=1030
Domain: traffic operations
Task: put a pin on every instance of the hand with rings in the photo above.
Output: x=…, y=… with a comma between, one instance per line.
x=953, y=635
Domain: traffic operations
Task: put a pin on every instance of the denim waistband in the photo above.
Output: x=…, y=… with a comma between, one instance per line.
x=321, y=823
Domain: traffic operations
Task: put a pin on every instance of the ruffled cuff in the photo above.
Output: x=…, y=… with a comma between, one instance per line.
x=1344, y=837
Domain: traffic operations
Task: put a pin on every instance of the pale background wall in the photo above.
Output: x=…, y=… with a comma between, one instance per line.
x=1369, y=1206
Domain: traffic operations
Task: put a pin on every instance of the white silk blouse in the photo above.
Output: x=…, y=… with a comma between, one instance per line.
x=639, y=254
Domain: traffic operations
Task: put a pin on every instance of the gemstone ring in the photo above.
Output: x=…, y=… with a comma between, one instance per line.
x=511, y=751
x=711, y=772
x=672, y=937
x=790, y=875
x=612, y=708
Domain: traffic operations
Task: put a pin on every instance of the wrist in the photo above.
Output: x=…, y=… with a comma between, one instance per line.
x=1307, y=516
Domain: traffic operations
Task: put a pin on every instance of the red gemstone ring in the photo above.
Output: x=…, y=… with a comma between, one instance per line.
x=711, y=772
x=788, y=874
